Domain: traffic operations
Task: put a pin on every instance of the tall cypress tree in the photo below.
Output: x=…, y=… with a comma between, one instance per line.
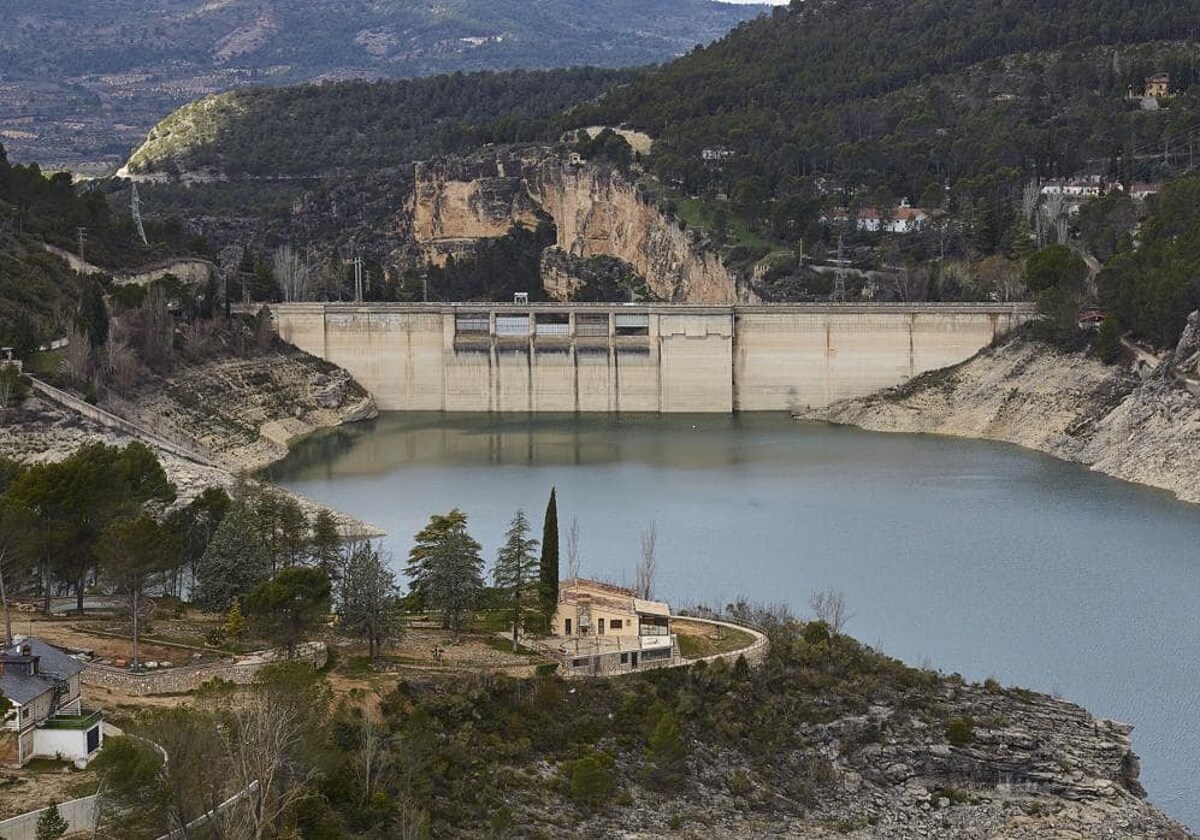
x=548, y=585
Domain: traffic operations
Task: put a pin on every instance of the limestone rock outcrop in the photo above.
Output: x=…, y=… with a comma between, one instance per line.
x=596, y=209
x=458, y=200
x=1065, y=404
x=1027, y=767
x=244, y=412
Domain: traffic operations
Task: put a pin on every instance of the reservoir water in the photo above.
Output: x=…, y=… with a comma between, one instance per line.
x=973, y=557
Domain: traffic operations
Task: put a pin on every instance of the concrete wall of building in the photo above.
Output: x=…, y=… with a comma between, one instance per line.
x=67, y=744
x=628, y=628
x=415, y=357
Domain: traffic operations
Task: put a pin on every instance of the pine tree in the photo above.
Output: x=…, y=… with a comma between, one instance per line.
x=451, y=576
x=235, y=562
x=325, y=547
x=666, y=754
x=516, y=568
x=51, y=825
x=235, y=622
x=420, y=556
x=290, y=606
x=549, y=571
x=369, y=606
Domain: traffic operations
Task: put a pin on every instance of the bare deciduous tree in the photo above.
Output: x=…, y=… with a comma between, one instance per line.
x=292, y=272
x=120, y=364
x=1054, y=216
x=79, y=357
x=373, y=757
x=1003, y=277
x=260, y=741
x=158, y=326
x=829, y=606
x=648, y=562
x=911, y=284
x=1030, y=196
x=572, y=548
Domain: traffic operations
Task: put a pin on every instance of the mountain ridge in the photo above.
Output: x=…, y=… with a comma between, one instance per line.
x=81, y=83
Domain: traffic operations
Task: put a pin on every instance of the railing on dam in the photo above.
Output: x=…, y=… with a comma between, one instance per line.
x=653, y=357
x=854, y=308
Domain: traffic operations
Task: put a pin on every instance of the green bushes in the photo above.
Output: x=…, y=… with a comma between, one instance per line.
x=960, y=731
x=591, y=780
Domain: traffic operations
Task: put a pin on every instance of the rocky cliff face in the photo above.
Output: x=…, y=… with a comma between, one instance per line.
x=597, y=211
x=458, y=200
x=1068, y=405
x=1025, y=767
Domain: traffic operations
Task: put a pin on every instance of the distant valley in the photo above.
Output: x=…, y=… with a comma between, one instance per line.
x=80, y=84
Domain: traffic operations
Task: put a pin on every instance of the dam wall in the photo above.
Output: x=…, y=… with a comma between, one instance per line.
x=637, y=357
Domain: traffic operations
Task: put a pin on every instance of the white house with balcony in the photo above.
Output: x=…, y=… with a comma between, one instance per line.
x=43, y=713
x=602, y=629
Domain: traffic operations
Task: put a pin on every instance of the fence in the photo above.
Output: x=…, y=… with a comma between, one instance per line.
x=755, y=652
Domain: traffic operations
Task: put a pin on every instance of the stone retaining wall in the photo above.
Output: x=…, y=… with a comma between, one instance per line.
x=189, y=678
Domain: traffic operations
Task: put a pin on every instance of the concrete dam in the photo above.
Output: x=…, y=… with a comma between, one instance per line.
x=637, y=357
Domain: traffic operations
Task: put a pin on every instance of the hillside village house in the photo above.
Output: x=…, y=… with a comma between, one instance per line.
x=602, y=629
x=44, y=715
x=903, y=218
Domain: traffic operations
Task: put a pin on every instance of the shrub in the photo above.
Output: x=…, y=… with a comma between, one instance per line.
x=591, y=780
x=666, y=755
x=960, y=731
x=1108, y=341
x=817, y=633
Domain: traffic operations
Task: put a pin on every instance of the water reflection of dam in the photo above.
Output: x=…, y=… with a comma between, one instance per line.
x=637, y=358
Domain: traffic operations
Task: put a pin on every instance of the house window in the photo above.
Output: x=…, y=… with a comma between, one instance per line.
x=579, y=663
x=600, y=627
x=624, y=658
x=615, y=624
x=656, y=653
x=567, y=627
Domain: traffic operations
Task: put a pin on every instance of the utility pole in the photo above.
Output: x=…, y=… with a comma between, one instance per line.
x=839, y=278
x=81, y=237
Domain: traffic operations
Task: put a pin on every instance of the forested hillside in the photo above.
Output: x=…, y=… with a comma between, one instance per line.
x=1150, y=291
x=909, y=98
x=359, y=126
x=37, y=290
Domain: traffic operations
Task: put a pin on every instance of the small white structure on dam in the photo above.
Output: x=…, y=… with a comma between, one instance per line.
x=637, y=357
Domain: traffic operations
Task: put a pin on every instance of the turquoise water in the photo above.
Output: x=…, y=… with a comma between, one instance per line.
x=972, y=557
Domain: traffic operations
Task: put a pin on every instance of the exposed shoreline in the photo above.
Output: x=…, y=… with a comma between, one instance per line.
x=1138, y=428
x=214, y=411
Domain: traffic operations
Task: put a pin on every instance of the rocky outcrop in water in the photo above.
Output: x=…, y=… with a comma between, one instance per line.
x=1069, y=405
x=596, y=209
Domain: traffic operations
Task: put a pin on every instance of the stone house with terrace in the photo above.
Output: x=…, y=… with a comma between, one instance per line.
x=602, y=629
x=44, y=715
